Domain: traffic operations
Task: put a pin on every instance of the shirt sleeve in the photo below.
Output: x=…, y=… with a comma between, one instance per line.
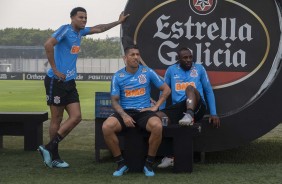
x=208, y=91
x=85, y=31
x=60, y=33
x=157, y=81
x=115, y=89
x=167, y=79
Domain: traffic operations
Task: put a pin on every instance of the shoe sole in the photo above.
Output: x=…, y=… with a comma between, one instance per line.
x=147, y=173
x=124, y=172
x=186, y=124
x=57, y=165
x=42, y=155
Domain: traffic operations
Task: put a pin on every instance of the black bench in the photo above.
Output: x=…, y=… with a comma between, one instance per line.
x=27, y=124
x=134, y=144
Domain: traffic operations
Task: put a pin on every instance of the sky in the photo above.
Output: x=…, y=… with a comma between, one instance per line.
x=45, y=14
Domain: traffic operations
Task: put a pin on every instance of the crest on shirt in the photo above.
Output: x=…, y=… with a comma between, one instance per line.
x=142, y=79
x=194, y=73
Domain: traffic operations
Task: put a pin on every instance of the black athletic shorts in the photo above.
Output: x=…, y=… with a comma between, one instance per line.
x=60, y=93
x=175, y=112
x=141, y=118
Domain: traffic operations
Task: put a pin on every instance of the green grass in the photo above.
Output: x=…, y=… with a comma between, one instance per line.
x=258, y=162
x=30, y=96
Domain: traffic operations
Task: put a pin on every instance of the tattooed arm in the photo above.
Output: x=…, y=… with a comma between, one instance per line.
x=104, y=27
x=128, y=120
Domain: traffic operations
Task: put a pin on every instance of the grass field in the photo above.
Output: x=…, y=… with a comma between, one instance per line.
x=30, y=96
x=259, y=162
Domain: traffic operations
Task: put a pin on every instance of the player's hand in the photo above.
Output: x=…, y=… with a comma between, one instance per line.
x=214, y=119
x=154, y=109
x=128, y=121
x=122, y=17
x=61, y=76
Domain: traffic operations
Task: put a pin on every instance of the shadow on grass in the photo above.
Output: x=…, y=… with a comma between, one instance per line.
x=263, y=151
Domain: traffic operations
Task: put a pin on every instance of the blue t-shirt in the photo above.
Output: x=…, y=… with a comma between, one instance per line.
x=178, y=80
x=66, y=50
x=134, y=89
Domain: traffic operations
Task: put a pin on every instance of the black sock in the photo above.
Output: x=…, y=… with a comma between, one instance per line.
x=52, y=146
x=149, y=162
x=55, y=153
x=120, y=161
x=191, y=112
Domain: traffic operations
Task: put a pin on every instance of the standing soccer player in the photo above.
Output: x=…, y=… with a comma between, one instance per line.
x=62, y=50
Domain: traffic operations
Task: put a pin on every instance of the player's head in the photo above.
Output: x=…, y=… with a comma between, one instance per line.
x=75, y=10
x=132, y=56
x=78, y=18
x=128, y=48
x=185, y=57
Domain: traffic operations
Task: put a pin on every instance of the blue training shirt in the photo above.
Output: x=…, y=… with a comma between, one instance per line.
x=178, y=80
x=134, y=89
x=66, y=50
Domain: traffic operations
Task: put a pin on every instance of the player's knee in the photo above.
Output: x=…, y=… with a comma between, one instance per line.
x=77, y=119
x=190, y=89
x=108, y=127
x=155, y=125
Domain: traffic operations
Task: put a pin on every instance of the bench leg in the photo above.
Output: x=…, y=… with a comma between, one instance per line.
x=33, y=136
x=135, y=148
x=183, y=154
x=97, y=154
x=203, y=157
x=1, y=141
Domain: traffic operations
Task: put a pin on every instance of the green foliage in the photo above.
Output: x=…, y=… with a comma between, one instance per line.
x=90, y=48
x=101, y=48
x=24, y=37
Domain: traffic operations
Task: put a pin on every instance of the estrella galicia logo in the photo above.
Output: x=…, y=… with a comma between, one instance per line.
x=238, y=46
x=202, y=7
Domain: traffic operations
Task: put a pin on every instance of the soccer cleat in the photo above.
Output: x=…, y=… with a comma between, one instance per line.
x=186, y=120
x=58, y=163
x=121, y=171
x=148, y=172
x=46, y=155
x=166, y=162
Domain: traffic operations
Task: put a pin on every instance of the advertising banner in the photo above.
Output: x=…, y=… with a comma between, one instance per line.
x=237, y=41
x=79, y=77
x=11, y=76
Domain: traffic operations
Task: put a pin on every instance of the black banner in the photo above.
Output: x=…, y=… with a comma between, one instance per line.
x=94, y=77
x=11, y=76
x=237, y=41
x=79, y=77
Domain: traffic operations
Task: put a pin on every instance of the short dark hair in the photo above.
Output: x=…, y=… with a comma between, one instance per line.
x=184, y=49
x=130, y=47
x=75, y=10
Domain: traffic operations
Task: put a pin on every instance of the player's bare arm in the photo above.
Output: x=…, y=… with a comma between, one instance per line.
x=128, y=121
x=49, y=49
x=104, y=27
x=165, y=93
